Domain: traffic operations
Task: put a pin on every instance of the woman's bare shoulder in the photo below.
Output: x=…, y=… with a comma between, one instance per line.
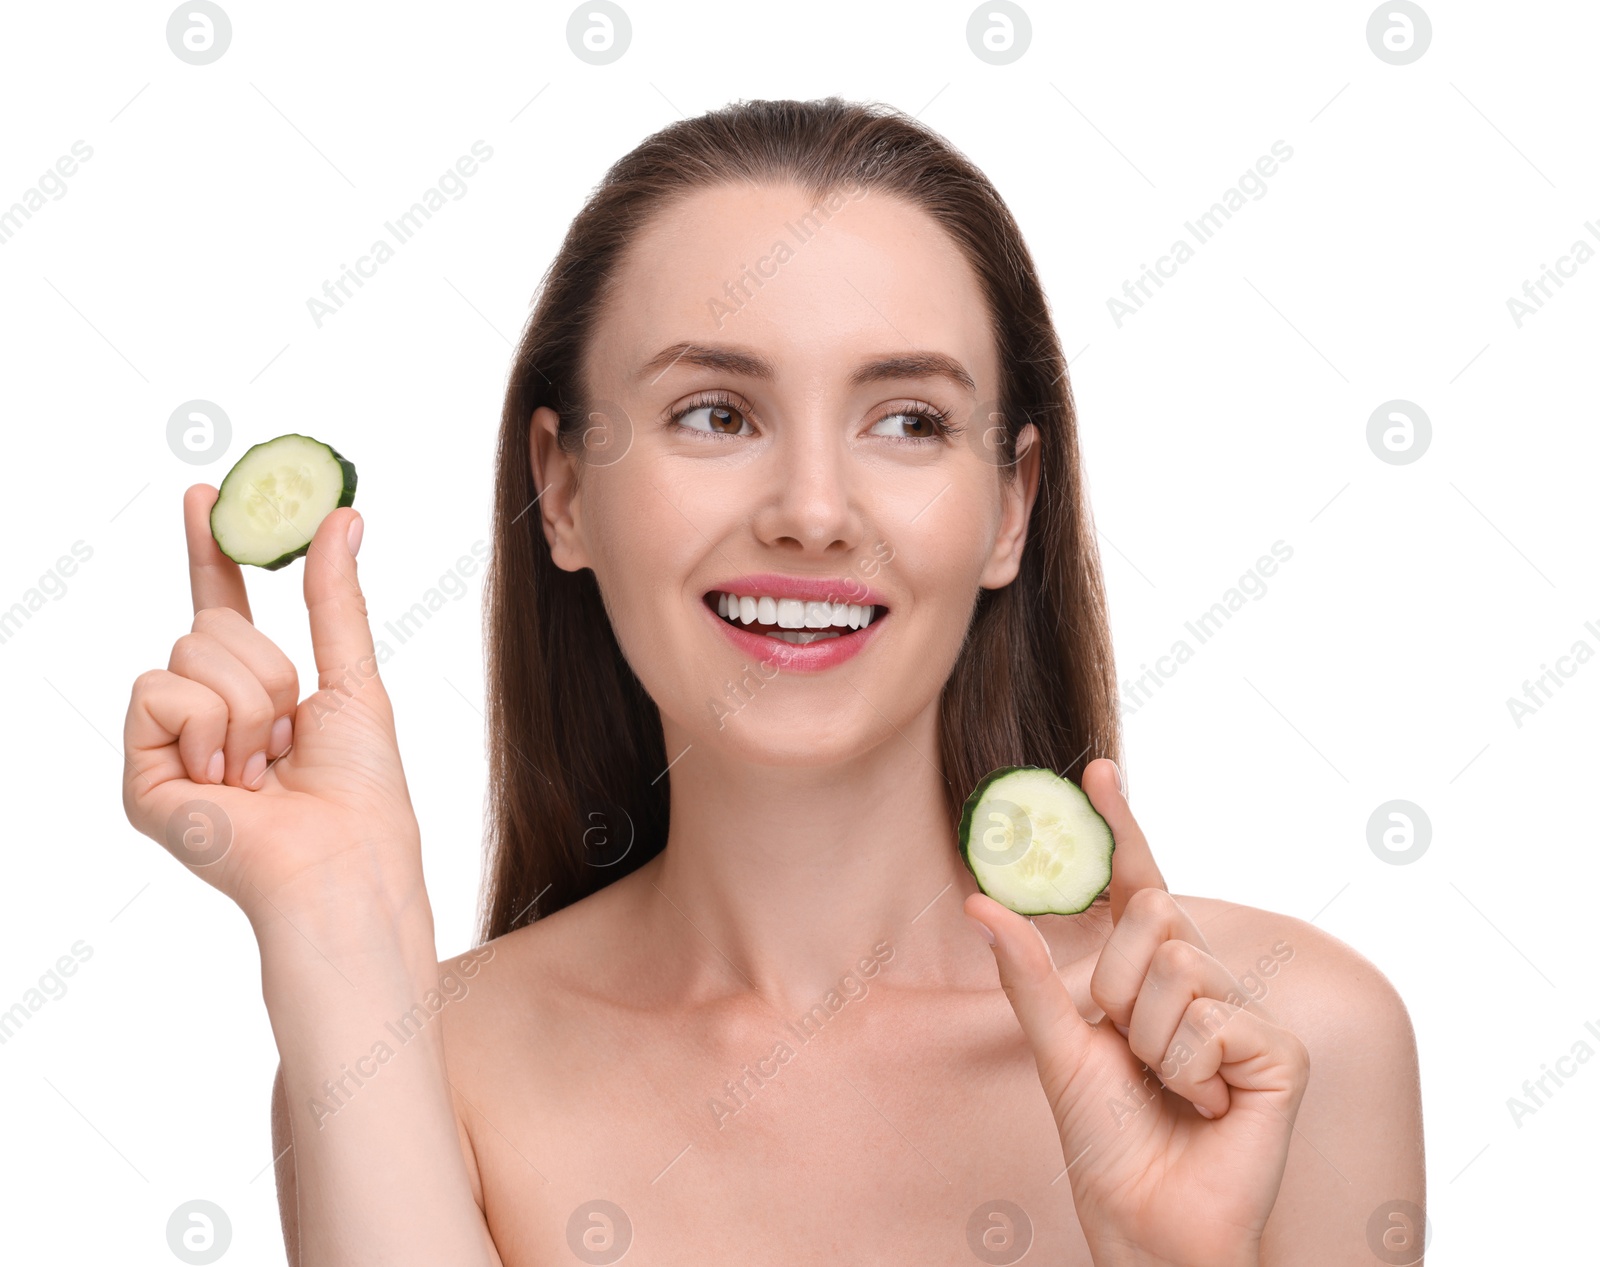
x=511, y=1009
x=1365, y=1086
x=541, y=976
x=1309, y=975
x=1357, y=1143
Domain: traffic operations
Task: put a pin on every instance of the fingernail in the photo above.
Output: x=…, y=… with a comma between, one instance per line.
x=214, y=767
x=1121, y=1029
x=988, y=933
x=355, y=536
x=254, y=769
x=1122, y=783
x=1203, y=1111
x=282, y=729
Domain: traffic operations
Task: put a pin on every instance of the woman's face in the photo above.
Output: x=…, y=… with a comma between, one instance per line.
x=804, y=471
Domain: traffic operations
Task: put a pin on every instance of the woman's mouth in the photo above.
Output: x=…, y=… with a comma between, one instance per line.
x=797, y=633
x=792, y=620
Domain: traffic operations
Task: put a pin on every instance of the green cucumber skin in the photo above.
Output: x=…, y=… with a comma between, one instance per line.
x=346, y=498
x=964, y=831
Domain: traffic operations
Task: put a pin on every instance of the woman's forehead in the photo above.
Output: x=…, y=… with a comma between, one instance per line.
x=797, y=275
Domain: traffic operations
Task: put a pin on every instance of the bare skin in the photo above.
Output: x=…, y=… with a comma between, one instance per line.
x=880, y=1135
x=912, y=1106
x=808, y=835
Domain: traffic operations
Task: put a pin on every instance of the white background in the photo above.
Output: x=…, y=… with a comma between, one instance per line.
x=1230, y=413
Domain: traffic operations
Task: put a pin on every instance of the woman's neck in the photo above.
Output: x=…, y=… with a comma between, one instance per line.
x=784, y=877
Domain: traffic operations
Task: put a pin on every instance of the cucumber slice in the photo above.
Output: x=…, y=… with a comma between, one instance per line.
x=1034, y=843
x=270, y=503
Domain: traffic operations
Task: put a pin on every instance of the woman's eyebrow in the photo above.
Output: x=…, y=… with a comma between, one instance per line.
x=915, y=365
x=729, y=360
x=750, y=365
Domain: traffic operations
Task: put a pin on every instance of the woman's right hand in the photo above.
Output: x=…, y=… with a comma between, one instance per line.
x=276, y=801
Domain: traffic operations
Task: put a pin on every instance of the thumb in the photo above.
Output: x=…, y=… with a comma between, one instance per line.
x=1133, y=866
x=1049, y=1018
x=341, y=639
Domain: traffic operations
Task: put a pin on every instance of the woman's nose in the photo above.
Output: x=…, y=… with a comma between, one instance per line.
x=809, y=493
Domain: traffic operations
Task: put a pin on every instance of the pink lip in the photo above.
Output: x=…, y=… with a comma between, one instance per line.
x=811, y=657
x=816, y=589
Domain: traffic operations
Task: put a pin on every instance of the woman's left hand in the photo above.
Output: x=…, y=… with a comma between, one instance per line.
x=1182, y=1175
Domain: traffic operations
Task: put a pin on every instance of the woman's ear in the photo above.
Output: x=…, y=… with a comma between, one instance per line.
x=1018, y=488
x=555, y=476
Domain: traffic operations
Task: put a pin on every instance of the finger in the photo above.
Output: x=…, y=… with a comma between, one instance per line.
x=1231, y=1059
x=1054, y=1028
x=1180, y=973
x=340, y=635
x=1133, y=867
x=174, y=729
x=214, y=579
x=203, y=659
x=258, y=653
x=1152, y=918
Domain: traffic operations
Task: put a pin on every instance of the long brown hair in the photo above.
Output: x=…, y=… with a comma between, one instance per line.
x=576, y=755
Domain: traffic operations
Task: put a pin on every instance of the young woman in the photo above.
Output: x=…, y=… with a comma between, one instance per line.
x=791, y=549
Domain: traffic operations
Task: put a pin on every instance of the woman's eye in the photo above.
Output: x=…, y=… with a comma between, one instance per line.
x=721, y=419
x=915, y=426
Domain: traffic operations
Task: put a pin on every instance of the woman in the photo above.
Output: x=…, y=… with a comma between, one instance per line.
x=791, y=549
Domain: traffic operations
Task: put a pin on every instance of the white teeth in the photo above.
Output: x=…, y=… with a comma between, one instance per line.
x=793, y=613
